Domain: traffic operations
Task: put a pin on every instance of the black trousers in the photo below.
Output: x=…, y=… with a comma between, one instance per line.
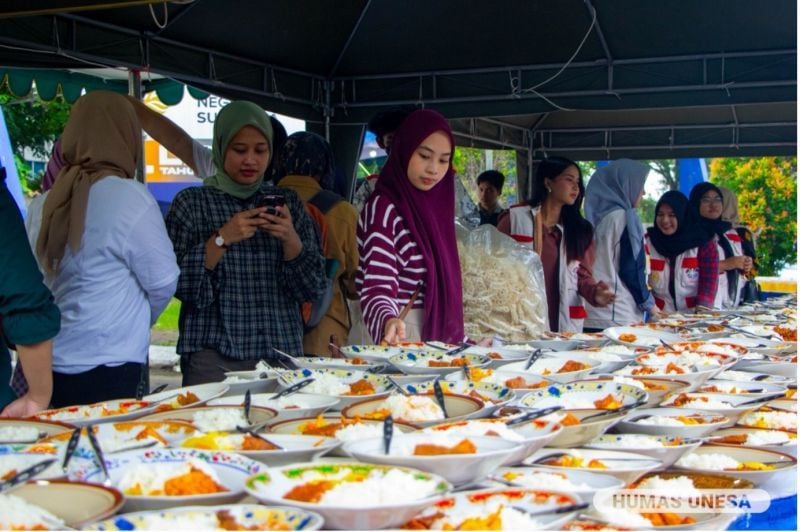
x=207, y=365
x=99, y=384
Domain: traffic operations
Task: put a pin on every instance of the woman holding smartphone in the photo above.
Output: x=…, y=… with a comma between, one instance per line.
x=248, y=253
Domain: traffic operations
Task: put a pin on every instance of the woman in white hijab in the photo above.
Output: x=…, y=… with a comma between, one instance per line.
x=612, y=195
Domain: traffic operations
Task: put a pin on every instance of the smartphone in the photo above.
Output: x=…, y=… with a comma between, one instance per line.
x=270, y=201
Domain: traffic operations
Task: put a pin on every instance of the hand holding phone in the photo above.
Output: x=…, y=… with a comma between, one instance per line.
x=270, y=201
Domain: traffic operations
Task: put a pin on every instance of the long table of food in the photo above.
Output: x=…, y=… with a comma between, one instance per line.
x=549, y=434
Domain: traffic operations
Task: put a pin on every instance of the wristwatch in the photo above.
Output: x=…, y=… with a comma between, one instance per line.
x=219, y=241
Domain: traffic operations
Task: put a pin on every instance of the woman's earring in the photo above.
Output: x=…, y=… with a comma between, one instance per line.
x=548, y=190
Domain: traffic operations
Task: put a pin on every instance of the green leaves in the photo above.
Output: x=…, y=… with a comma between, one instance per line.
x=767, y=192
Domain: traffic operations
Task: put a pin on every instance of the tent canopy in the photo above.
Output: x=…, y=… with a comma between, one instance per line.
x=587, y=78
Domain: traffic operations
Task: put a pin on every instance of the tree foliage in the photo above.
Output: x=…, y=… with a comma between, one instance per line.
x=767, y=192
x=34, y=124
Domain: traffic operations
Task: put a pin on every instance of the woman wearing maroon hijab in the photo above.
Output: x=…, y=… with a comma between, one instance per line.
x=406, y=235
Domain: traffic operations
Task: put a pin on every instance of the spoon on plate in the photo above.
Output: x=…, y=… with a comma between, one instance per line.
x=98, y=453
x=287, y=358
x=557, y=455
x=397, y=386
x=296, y=387
x=26, y=474
x=439, y=394
x=577, y=507
x=536, y=355
x=248, y=402
x=667, y=345
x=530, y=416
x=250, y=432
x=457, y=350
x=616, y=411
x=388, y=432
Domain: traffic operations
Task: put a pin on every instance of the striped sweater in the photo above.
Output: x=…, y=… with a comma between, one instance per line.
x=390, y=264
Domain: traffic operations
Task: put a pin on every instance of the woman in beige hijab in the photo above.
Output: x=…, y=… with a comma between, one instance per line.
x=106, y=255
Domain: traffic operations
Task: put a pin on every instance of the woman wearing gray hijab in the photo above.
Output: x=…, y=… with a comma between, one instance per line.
x=612, y=195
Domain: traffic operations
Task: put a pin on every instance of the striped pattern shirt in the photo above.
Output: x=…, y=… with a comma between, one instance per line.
x=390, y=264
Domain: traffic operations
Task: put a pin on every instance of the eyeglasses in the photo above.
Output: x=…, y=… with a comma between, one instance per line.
x=711, y=200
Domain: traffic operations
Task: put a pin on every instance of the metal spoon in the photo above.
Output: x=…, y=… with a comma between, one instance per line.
x=552, y=456
x=462, y=347
x=616, y=411
x=248, y=400
x=397, y=386
x=439, y=394
x=388, y=432
x=26, y=474
x=296, y=387
x=536, y=414
x=159, y=388
x=98, y=452
x=249, y=432
x=667, y=345
x=560, y=510
x=286, y=358
x=536, y=355
x=72, y=445
x=763, y=399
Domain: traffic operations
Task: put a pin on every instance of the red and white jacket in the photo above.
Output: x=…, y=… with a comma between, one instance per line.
x=723, y=300
x=571, y=310
x=686, y=278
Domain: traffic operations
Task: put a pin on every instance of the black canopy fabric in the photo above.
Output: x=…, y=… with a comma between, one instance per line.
x=591, y=79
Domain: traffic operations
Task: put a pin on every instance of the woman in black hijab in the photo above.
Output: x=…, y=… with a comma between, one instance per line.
x=684, y=262
x=705, y=210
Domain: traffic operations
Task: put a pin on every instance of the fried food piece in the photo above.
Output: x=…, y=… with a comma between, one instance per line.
x=457, y=362
x=194, y=482
x=733, y=439
x=428, y=449
x=668, y=519
x=627, y=337
x=361, y=387
x=609, y=402
x=309, y=492
x=572, y=365
x=187, y=398
x=423, y=523
x=256, y=444
x=754, y=466
x=477, y=374
x=682, y=399
x=520, y=382
x=570, y=419
x=672, y=368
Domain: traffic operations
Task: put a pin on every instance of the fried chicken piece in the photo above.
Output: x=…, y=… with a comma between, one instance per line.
x=428, y=449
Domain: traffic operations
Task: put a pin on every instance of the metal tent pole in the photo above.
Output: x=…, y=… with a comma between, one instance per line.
x=135, y=90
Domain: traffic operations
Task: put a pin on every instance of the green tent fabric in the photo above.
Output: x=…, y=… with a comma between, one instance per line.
x=51, y=83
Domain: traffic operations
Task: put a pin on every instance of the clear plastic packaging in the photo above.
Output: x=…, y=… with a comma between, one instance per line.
x=503, y=285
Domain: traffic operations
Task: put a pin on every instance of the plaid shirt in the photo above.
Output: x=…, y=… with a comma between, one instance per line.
x=708, y=266
x=250, y=301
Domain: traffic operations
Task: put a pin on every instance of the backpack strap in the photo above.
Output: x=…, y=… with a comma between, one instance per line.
x=324, y=200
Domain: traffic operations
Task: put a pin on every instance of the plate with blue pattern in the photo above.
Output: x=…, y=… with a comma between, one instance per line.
x=232, y=516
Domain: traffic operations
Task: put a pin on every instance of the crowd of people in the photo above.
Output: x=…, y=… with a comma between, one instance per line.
x=264, y=256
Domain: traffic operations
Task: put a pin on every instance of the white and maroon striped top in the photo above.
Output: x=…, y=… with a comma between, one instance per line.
x=390, y=265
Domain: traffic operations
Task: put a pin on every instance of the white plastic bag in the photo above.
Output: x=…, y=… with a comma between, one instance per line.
x=503, y=284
